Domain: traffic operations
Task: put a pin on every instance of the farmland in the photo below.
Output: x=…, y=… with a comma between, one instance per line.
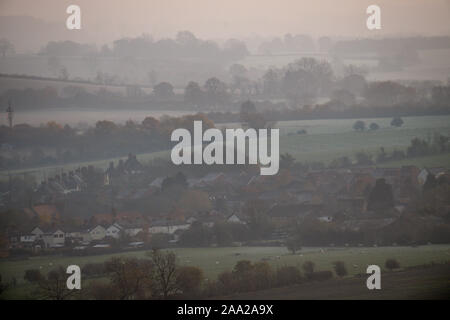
x=431, y=282
x=329, y=139
x=325, y=140
x=216, y=260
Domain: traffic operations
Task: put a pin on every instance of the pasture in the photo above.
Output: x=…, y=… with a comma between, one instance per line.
x=216, y=260
x=325, y=140
x=329, y=139
x=430, y=282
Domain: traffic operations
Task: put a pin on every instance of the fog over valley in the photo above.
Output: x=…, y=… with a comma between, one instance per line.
x=224, y=149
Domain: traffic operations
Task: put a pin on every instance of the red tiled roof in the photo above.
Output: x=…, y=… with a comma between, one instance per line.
x=45, y=212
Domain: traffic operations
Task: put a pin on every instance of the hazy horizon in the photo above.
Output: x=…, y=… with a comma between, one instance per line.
x=104, y=21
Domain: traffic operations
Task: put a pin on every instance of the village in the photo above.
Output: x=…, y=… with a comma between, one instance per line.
x=89, y=211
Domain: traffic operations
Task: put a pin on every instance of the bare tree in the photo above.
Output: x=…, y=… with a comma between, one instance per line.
x=165, y=272
x=3, y=286
x=129, y=276
x=54, y=286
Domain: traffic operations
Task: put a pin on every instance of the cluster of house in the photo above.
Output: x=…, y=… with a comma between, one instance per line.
x=77, y=180
x=289, y=196
x=343, y=194
x=102, y=234
x=64, y=183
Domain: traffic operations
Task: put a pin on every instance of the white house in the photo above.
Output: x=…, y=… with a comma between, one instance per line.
x=97, y=233
x=54, y=238
x=37, y=232
x=28, y=238
x=167, y=227
x=78, y=233
x=133, y=230
x=325, y=219
x=114, y=231
x=191, y=220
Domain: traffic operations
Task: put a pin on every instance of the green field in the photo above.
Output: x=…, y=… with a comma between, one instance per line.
x=215, y=260
x=325, y=140
x=421, y=283
x=329, y=139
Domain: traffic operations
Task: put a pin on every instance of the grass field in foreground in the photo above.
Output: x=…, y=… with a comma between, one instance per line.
x=430, y=282
x=216, y=260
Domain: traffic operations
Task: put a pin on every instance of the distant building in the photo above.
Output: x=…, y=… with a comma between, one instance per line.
x=167, y=227
x=97, y=233
x=114, y=231
x=325, y=219
x=51, y=238
x=234, y=218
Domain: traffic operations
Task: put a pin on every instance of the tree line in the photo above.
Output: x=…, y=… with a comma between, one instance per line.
x=160, y=276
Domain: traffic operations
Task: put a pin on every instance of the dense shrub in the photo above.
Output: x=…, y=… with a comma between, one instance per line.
x=288, y=275
x=359, y=125
x=3, y=286
x=340, y=269
x=397, y=122
x=262, y=276
x=308, y=267
x=93, y=269
x=130, y=277
x=225, y=283
x=102, y=291
x=320, y=275
x=189, y=279
x=392, y=264
x=32, y=275
x=245, y=277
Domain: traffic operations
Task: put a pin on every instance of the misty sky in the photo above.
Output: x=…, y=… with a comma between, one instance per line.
x=105, y=20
